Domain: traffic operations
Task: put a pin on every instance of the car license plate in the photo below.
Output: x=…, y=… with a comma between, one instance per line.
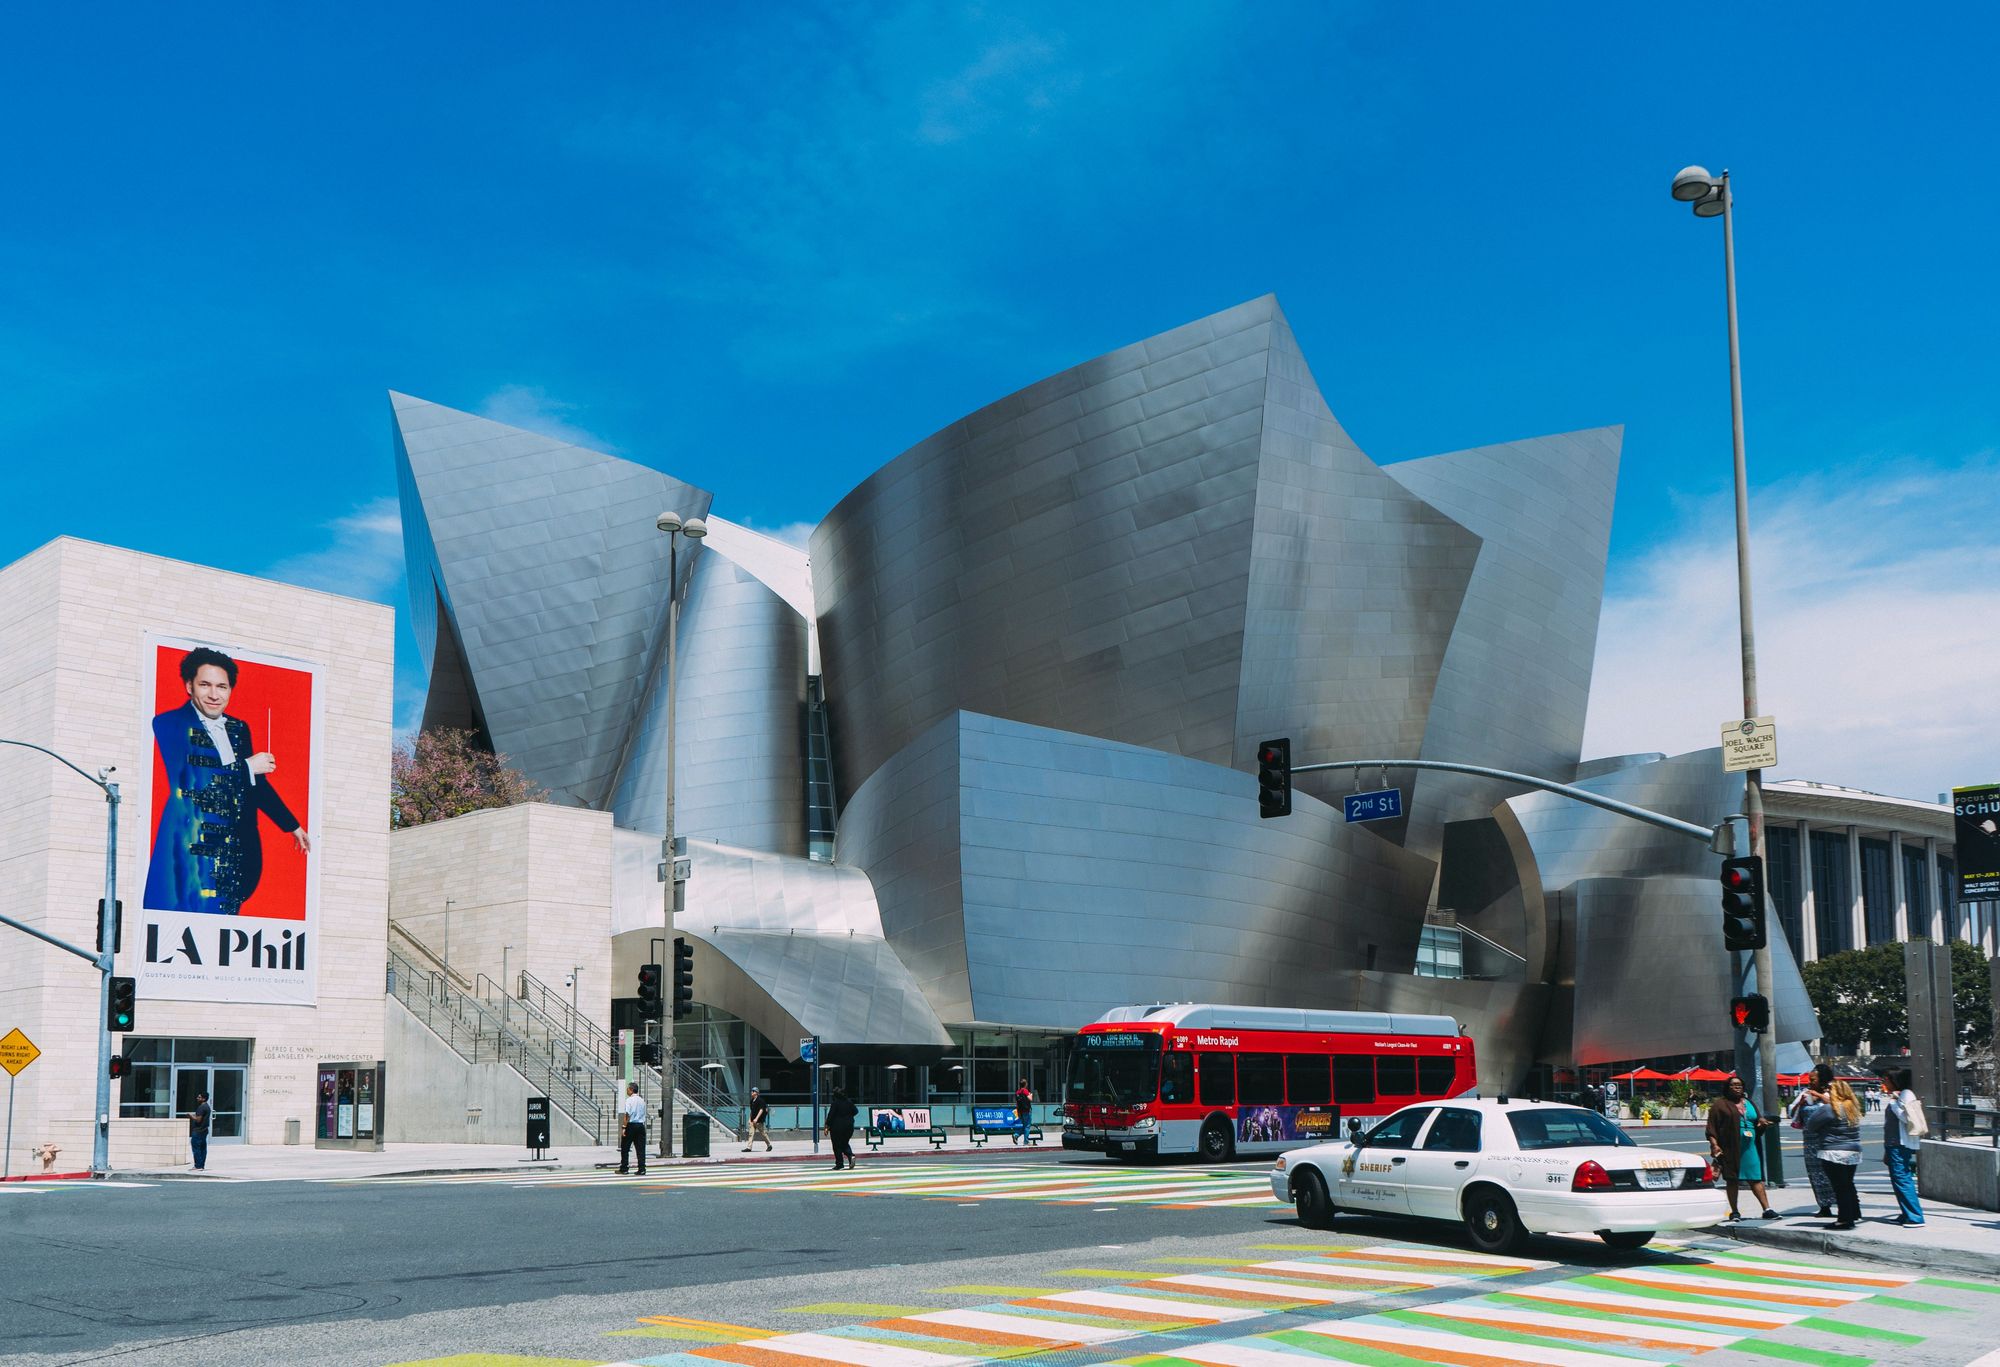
x=1657, y=1178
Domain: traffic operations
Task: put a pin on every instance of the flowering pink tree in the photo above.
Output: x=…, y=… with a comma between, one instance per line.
x=443, y=773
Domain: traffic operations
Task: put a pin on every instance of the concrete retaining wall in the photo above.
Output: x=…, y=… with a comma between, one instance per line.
x=435, y=1097
x=1959, y=1173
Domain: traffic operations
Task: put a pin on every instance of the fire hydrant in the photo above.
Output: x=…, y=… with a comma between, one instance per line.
x=47, y=1153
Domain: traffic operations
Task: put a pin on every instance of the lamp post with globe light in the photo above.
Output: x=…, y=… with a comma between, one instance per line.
x=1710, y=197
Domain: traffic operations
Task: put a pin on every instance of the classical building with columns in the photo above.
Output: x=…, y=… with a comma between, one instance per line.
x=1849, y=869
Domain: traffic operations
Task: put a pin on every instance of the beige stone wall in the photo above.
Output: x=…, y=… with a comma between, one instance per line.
x=530, y=888
x=73, y=618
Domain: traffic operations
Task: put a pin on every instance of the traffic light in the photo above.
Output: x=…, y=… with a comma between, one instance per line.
x=683, y=978
x=118, y=945
x=119, y=1066
x=649, y=991
x=1274, y=778
x=124, y=1001
x=1752, y=1013
x=649, y=1055
x=1743, y=903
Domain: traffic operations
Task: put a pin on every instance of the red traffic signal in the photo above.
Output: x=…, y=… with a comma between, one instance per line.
x=649, y=991
x=120, y=1065
x=1752, y=1013
x=1274, y=777
x=1743, y=903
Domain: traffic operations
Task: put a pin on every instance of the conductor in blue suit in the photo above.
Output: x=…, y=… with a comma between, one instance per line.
x=206, y=853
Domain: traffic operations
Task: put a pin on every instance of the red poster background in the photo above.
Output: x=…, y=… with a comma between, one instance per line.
x=286, y=695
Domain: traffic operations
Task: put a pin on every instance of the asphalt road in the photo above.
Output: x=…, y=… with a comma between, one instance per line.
x=592, y=1271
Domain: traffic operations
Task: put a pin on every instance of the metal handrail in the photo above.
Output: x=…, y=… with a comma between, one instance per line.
x=571, y=1020
x=434, y=961
x=477, y=1034
x=1977, y=1122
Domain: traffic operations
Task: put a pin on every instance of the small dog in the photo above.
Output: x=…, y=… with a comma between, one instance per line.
x=47, y=1153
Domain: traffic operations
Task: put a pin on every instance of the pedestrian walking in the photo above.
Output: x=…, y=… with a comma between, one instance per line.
x=840, y=1129
x=633, y=1135
x=1734, y=1138
x=1904, y=1124
x=1813, y=1094
x=760, y=1120
x=1024, y=1111
x=199, y=1120
x=1833, y=1133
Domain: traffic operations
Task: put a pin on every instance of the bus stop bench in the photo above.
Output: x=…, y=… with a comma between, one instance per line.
x=979, y=1134
x=874, y=1137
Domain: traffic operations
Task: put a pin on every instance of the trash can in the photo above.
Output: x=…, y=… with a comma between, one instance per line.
x=291, y=1129
x=694, y=1136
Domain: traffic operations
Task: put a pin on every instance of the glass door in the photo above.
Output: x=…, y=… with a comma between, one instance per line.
x=224, y=1085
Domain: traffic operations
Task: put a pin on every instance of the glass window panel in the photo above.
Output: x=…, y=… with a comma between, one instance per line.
x=1218, y=1079
x=1305, y=1080
x=145, y=1092
x=1177, y=1077
x=1455, y=1131
x=1435, y=1075
x=1353, y=1079
x=1396, y=1076
x=1260, y=1079
x=211, y=1051
x=1399, y=1131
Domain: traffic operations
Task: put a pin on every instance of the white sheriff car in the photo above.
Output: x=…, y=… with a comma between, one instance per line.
x=1507, y=1169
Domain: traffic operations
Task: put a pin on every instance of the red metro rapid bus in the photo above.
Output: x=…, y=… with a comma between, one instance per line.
x=1225, y=1080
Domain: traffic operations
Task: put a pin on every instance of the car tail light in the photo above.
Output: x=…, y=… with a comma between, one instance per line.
x=1591, y=1177
x=1707, y=1174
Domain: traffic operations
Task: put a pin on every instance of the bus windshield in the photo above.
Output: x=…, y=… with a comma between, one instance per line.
x=1115, y=1069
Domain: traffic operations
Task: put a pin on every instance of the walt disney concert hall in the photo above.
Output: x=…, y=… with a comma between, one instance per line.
x=981, y=756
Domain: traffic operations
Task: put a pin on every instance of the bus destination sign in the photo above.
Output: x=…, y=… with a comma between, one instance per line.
x=1122, y=1041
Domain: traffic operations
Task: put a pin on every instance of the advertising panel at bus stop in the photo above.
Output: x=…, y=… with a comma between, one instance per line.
x=1976, y=819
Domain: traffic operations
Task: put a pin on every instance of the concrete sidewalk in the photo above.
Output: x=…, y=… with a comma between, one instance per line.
x=299, y=1163
x=1951, y=1239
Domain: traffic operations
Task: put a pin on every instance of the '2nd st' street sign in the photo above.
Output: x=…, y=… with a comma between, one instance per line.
x=1379, y=805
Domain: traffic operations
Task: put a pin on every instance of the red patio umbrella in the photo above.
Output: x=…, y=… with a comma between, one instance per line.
x=1707, y=1075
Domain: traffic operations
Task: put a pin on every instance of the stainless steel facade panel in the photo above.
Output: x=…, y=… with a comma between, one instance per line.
x=1641, y=908
x=1069, y=874
x=1515, y=684
x=740, y=699
x=1075, y=555
x=515, y=523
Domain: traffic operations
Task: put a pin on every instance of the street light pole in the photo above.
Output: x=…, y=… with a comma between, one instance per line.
x=1711, y=198
x=694, y=529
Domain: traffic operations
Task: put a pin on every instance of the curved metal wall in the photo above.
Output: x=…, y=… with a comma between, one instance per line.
x=1515, y=684
x=1036, y=877
x=554, y=574
x=740, y=767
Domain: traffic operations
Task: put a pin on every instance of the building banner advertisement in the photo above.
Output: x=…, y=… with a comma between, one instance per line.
x=231, y=903
x=1976, y=816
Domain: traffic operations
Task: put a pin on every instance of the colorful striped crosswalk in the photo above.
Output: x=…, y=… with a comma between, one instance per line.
x=1080, y=1183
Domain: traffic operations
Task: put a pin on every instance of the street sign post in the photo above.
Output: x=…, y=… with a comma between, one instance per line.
x=17, y=1051
x=538, y=1128
x=1749, y=744
x=809, y=1055
x=1381, y=805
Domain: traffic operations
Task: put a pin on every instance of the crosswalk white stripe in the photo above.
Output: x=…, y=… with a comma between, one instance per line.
x=858, y=1352
x=1442, y=1255
x=1689, y=1281
x=1235, y=1355
x=1028, y=1326
x=1646, y=1305
x=1400, y=1337
x=1199, y=1311
x=1286, y=1291
x=1413, y=1277
x=1539, y=1319
x=1887, y=1279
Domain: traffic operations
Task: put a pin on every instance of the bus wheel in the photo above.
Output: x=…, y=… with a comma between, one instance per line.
x=1310, y=1199
x=1216, y=1144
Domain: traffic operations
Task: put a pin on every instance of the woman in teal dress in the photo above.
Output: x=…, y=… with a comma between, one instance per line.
x=1735, y=1127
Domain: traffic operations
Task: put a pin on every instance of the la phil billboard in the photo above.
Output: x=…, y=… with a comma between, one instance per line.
x=231, y=903
x=1976, y=817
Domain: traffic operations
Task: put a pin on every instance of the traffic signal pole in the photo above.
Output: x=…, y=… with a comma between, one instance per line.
x=104, y=959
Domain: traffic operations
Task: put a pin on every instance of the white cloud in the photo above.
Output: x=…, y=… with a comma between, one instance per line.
x=791, y=533
x=1876, y=611
x=530, y=408
x=363, y=557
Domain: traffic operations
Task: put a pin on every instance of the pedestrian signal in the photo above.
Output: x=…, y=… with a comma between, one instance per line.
x=1274, y=777
x=649, y=991
x=122, y=1012
x=1743, y=903
x=683, y=978
x=120, y=1066
x=1752, y=1013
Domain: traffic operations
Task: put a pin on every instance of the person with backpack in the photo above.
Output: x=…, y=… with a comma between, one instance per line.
x=1904, y=1124
x=1024, y=1111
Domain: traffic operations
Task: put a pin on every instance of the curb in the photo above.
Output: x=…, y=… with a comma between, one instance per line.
x=1905, y=1256
x=50, y=1177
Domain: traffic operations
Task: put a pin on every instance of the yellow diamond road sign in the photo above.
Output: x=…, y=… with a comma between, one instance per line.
x=17, y=1051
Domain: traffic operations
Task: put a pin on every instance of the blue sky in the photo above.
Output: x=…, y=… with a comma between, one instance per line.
x=767, y=248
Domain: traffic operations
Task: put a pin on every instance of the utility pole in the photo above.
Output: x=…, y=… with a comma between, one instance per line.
x=694, y=529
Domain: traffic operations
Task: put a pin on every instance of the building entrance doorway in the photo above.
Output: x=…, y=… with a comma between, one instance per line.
x=224, y=1084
